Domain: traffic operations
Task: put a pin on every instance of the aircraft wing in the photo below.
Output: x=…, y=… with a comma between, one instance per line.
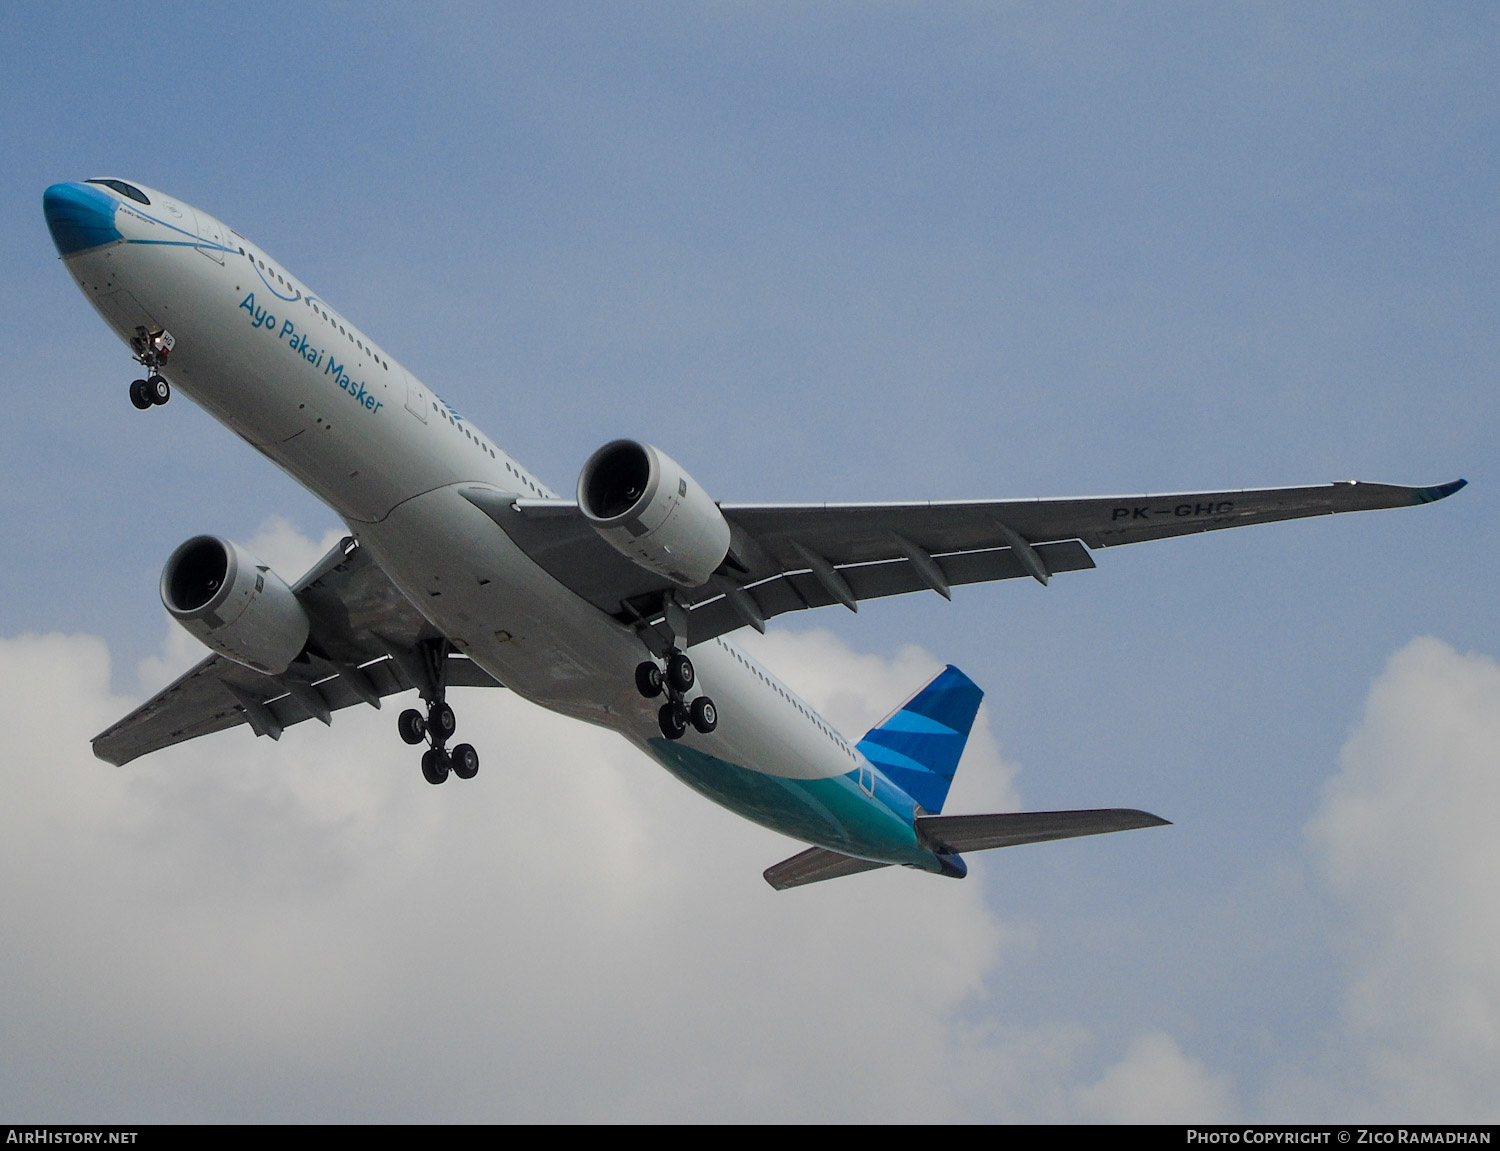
x=787, y=557
x=366, y=642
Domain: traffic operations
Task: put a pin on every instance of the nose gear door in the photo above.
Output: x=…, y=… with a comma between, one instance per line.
x=215, y=238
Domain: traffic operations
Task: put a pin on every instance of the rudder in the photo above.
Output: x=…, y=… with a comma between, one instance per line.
x=919, y=746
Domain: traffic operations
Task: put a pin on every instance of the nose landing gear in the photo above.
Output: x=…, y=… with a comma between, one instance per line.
x=151, y=349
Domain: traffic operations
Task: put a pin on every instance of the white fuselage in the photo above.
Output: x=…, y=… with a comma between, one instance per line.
x=270, y=359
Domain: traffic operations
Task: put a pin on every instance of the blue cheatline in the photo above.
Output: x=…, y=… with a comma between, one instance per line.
x=918, y=748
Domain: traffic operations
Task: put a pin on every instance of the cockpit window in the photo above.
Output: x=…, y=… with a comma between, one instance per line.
x=120, y=186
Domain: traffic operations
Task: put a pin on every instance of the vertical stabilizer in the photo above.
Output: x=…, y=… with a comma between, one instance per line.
x=919, y=746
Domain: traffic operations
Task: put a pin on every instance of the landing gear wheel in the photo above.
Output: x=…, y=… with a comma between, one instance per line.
x=435, y=765
x=441, y=722
x=648, y=679
x=704, y=714
x=412, y=726
x=139, y=396
x=673, y=719
x=680, y=673
x=158, y=389
x=465, y=761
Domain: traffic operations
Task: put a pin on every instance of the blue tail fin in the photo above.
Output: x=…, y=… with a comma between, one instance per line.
x=918, y=747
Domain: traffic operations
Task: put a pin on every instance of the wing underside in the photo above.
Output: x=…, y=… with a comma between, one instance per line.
x=368, y=641
x=790, y=557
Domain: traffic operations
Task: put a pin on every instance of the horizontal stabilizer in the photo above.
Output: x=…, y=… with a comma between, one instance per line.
x=814, y=865
x=954, y=833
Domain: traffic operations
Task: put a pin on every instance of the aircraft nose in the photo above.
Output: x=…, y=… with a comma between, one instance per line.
x=79, y=216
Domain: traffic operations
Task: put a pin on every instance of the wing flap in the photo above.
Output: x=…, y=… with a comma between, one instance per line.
x=193, y=705
x=798, y=591
x=217, y=694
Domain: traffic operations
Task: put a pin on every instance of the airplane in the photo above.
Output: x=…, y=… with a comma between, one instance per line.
x=463, y=569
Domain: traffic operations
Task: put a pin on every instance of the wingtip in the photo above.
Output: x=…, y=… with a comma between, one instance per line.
x=108, y=757
x=1440, y=492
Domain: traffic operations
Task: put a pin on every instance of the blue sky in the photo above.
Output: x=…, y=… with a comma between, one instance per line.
x=814, y=252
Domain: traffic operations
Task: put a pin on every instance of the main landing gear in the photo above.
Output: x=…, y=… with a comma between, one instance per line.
x=679, y=678
x=436, y=728
x=151, y=349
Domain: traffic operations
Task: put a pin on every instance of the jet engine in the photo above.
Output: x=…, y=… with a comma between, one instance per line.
x=234, y=604
x=652, y=512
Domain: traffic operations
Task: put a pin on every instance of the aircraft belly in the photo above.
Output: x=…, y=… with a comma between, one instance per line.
x=499, y=608
x=555, y=649
x=835, y=812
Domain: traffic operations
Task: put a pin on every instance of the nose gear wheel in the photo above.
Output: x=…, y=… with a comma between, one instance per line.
x=151, y=348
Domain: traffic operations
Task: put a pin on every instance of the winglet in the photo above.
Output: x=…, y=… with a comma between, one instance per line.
x=1441, y=492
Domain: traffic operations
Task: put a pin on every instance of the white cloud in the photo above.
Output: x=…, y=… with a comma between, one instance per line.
x=236, y=928
x=279, y=543
x=1405, y=839
x=1156, y=1083
x=239, y=928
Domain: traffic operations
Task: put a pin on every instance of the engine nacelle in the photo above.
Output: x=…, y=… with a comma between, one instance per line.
x=652, y=512
x=235, y=605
